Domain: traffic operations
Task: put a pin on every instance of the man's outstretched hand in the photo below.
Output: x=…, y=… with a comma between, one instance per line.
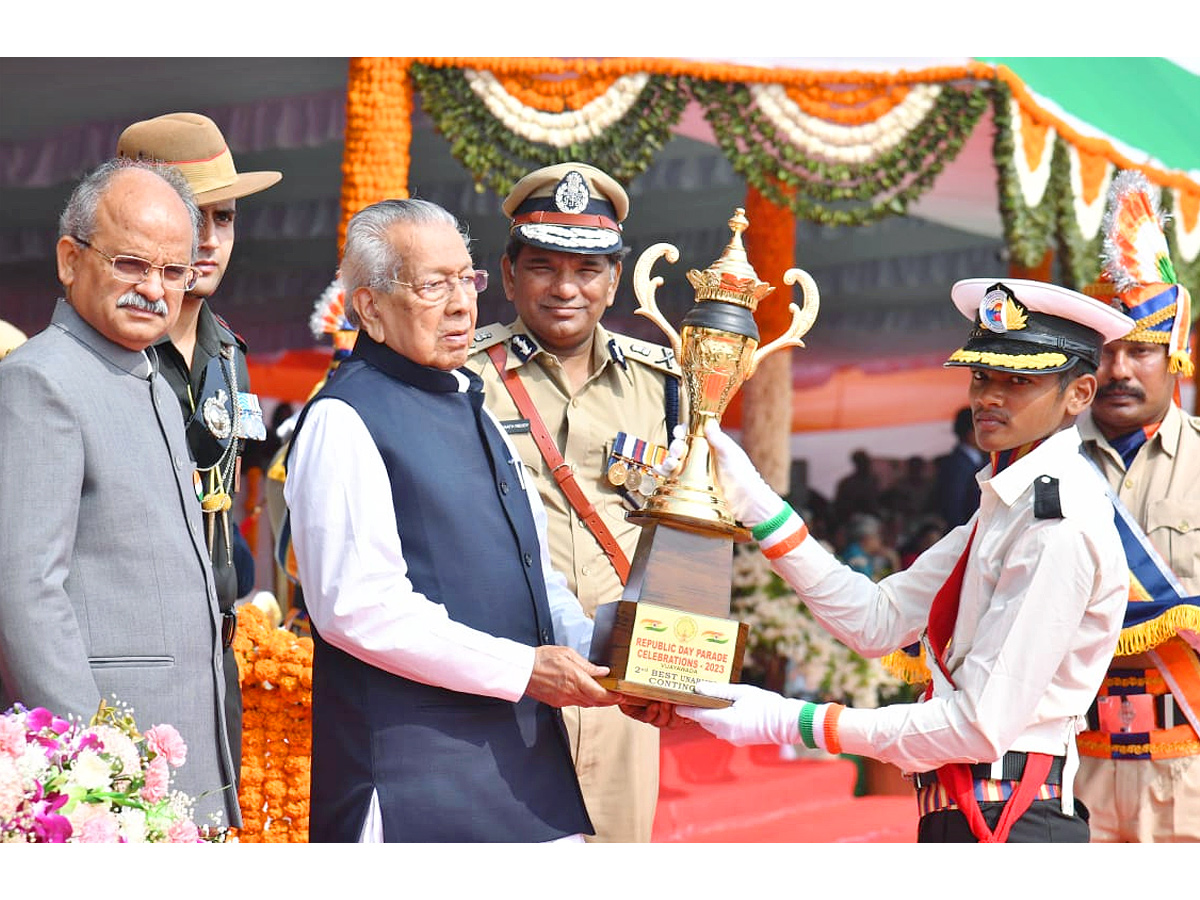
x=561, y=677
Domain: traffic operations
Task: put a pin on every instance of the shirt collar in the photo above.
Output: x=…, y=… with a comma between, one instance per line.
x=1167, y=434
x=135, y=362
x=1046, y=459
x=602, y=352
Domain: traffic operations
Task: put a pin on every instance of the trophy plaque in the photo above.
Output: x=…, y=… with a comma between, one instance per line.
x=671, y=627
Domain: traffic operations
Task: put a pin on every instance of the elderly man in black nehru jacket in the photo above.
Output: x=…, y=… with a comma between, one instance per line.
x=444, y=642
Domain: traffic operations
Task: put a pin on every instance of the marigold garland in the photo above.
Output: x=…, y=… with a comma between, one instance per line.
x=838, y=193
x=557, y=94
x=770, y=249
x=497, y=156
x=847, y=107
x=275, y=667
x=378, y=136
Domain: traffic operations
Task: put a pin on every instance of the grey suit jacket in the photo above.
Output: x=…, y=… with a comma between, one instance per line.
x=106, y=589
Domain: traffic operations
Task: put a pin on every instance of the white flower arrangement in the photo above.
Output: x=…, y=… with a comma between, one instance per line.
x=836, y=143
x=782, y=627
x=557, y=129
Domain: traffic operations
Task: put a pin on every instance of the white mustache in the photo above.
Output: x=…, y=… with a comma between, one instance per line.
x=137, y=301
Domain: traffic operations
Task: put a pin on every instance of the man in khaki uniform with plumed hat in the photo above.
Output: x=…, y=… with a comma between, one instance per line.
x=605, y=405
x=202, y=358
x=1140, y=755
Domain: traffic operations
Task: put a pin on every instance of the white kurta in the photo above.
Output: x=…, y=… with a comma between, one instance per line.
x=356, y=587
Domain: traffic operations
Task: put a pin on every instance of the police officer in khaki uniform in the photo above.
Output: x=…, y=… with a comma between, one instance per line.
x=607, y=404
x=1139, y=770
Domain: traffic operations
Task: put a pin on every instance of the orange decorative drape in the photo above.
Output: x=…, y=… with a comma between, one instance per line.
x=765, y=400
x=378, y=134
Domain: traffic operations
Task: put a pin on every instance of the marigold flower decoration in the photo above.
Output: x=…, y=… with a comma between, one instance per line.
x=276, y=672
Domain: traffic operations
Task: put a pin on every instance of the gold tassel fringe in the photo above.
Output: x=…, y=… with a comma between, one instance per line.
x=912, y=669
x=1148, y=635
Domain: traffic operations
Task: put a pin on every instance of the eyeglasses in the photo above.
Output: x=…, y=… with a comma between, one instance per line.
x=135, y=270
x=439, y=290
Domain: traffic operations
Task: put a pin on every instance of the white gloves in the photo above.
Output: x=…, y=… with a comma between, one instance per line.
x=675, y=451
x=756, y=717
x=751, y=500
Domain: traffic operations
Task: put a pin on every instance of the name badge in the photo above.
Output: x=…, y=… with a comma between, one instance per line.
x=250, y=418
x=516, y=426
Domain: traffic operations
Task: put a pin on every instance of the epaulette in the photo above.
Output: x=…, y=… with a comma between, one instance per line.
x=1046, y=501
x=241, y=341
x=657, y=356
x=488, y=336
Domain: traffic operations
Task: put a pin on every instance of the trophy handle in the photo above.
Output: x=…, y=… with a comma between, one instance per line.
x=802, y=320
x=644, y=287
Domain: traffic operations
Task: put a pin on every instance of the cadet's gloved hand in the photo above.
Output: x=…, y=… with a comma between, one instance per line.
x=675, y=451
x=751, y=499
x=756, y=717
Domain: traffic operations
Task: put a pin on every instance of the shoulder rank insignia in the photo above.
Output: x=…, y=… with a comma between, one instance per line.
x=657, y=355
x=488, y=336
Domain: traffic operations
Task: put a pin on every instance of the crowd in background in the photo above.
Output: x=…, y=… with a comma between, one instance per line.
x=887, y=511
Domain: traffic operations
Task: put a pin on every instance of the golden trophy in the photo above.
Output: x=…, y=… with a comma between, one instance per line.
x=671, y=627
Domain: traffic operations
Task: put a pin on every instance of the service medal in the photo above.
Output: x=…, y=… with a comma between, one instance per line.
x=216, y=416
x=616, y=473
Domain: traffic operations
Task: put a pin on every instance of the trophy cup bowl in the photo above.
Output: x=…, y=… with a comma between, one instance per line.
x=671, y=627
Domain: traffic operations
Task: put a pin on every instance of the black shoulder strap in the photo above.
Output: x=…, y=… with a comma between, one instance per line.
x=1046, y=503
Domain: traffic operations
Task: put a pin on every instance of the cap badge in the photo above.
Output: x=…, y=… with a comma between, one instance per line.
x=571, y=195
x=998, y=312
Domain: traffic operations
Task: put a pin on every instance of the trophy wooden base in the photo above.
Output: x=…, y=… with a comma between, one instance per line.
x=658, y=652
x=665, y=695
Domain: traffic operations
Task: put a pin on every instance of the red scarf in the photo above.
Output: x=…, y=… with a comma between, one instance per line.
x=957, y=777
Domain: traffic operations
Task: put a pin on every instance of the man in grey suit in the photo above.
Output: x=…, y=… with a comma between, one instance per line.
x=106, y=590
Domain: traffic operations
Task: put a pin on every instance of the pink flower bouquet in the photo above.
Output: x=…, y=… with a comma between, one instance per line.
x=61, y=781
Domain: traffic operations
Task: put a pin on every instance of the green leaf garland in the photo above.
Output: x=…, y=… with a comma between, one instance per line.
x=497, y=158
x=837, y=193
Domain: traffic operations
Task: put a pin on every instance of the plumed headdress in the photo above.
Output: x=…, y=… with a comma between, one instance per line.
x=1137, y=275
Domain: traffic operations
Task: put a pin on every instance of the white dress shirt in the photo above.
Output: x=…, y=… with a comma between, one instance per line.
x=352, y=566
x=1040, y=613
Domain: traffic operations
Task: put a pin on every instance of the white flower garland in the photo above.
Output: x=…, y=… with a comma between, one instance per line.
x=1032, y=181
x=1187, y=243
x=834, y=143
x=557, y=129
x=1088, y=216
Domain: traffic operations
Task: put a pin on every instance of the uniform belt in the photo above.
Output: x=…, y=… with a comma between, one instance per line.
x=1012, y=767
x=228, y=628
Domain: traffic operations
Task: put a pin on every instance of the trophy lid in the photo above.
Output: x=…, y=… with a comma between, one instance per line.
x=731, y=279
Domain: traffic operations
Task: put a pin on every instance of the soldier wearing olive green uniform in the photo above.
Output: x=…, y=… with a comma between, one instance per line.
x=609, y=403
